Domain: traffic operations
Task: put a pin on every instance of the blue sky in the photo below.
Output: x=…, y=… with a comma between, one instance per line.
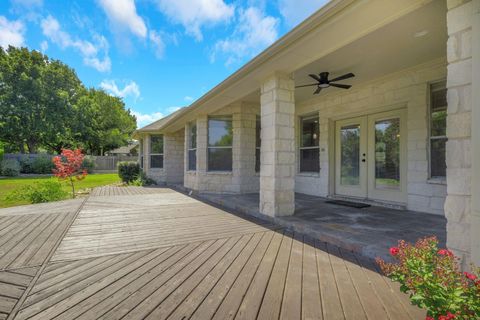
x=156, y=54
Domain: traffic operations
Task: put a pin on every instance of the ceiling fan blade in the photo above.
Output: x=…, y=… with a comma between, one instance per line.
x=345, y=76
x=338, y=85
x=318, y=90
x=315, y=77
x=307, y=85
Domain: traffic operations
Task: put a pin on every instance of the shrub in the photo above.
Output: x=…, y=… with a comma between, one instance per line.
x=68, y=167
x=10, y=167
x=26, y=164
x=42, y=164
x=143, y=180
x=128, y=171
x=88, y=164
x=433, y=279
x=39, y=192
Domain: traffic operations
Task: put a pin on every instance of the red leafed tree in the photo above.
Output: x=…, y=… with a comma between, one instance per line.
x=68, y=166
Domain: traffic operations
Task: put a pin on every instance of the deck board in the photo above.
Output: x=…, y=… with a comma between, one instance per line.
x=133, y=253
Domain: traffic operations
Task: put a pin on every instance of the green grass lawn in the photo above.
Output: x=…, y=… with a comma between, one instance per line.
x=92, y=180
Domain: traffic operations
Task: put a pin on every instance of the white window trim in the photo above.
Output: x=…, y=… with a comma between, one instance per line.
x=150, y=154
x=218, y=147
x=436, y=179
x=191, y=149
x=300, y=148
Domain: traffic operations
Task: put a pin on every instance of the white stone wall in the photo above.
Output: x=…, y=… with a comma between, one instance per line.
x=242, y=178
x=173, y=161
x=277, y=164
x=462, y=227
x=408, y=89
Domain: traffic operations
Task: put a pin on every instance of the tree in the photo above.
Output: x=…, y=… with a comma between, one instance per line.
x=102, y=122
x=69, y=166
x=36, y=99
x=43, y=104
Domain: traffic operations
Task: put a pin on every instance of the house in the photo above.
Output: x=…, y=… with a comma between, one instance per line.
x=406, y=134
x=129, y=150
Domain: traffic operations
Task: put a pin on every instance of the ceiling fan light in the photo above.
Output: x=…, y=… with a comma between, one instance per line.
x=324, y=85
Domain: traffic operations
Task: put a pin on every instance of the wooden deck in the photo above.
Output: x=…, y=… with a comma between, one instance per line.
x=157, y=254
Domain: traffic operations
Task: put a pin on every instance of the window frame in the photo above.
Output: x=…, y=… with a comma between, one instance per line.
x=301, y=148
x=441, y=85
x=258, y=143
x=150, y=153
x=226, y=118
x=189, y=146
x=140, y=146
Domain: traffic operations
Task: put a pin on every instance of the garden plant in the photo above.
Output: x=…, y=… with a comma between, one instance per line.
x=434, y=281
x=69, y=167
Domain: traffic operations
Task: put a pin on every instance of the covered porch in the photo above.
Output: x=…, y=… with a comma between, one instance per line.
x=369, y=231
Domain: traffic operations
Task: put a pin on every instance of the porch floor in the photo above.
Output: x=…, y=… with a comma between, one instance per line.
x=369, y=231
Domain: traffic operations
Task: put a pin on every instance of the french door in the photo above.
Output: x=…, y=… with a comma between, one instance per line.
x=370, y=157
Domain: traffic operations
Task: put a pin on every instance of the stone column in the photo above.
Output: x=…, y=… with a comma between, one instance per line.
x=173, y=157
x=244, y=121
x=277, y=172
x=475, y=224
x=202, y=136
x=463, y=130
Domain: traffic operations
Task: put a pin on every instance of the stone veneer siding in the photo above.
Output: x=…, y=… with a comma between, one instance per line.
x=172, y=171
x=463, y=146
x=242, y=178
x=277, y=164
x=406, y=89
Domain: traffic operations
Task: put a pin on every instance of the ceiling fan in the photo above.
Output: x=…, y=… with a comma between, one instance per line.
x=323, y=82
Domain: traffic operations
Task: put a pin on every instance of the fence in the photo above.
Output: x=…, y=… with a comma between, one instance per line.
x=102, y=163
x=109, y=163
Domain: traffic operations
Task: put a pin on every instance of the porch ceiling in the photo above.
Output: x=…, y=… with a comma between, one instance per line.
x=416, y=38
x=370, y=39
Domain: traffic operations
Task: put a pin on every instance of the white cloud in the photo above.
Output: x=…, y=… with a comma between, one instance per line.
x=188, y=98
x=122, y=15
x=194, y=14
x=11, y=33
x=254, y=32
x=44, y=46
x=295, y=11
x=89, y=51
x=146, y=118
x=158, y=43
x=130, y=89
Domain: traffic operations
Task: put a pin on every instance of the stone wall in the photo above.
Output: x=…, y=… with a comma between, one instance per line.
x=174, y=157
x=458, y=205
x=406, y=89
x=242, y=178
x=277, y=164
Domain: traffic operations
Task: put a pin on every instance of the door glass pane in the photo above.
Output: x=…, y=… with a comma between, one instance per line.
x=387, y=154
x=350, y=155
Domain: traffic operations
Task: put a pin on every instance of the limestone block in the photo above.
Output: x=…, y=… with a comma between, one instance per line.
x=459, y=18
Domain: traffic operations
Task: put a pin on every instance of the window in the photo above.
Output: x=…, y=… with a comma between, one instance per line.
x=192, y=147
x=438, y=129
x=220, y=139
x=258, y=142
x=309, y=146
x=140, y=148
x=156, y=151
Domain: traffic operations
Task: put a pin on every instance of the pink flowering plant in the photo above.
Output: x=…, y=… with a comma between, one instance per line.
x=434, y=281
x=69, y=167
